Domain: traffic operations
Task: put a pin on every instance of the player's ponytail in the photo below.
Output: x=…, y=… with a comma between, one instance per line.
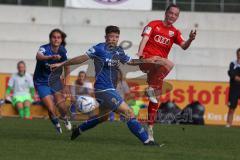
x=63, y=35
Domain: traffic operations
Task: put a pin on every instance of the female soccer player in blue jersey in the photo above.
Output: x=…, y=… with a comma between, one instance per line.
x=51, y=53
x=107, y=57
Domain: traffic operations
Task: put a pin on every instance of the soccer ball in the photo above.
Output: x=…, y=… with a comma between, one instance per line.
x=86, y=104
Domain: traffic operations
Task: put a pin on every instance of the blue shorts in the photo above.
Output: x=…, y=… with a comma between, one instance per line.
x=48, y=89
x=109, y=99
x=44, y=90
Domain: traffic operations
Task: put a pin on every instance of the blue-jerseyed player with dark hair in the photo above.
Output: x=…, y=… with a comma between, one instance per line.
x=53, y=52
x=107, y=57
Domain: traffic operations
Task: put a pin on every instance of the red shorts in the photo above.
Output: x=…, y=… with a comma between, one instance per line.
x=155, y=74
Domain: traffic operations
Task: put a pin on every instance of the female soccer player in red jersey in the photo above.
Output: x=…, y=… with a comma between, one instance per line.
x=157, y=40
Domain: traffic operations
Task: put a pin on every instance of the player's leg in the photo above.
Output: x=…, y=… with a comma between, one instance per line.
x=155, y=80
x=153, y=91
x=60, y=103
x=104, y=109
x=18, y=103
x=19, y=106
x=90, y=123
x=134, y=126
x=45, y=95
x=155, y=77
x=232, y=104
x=230, y=117
x=48, y=102
x=109, y=101
x=164, y=62
x=27, y=112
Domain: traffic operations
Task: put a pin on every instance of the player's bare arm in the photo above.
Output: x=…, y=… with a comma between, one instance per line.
x=185, y=45
x=67, y=75
x=42, y=57
x=140, y=61
x=73, y=61
x=154, y=60
x=237, y=78
x=142, y=45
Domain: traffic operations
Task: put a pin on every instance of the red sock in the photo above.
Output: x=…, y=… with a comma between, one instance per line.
x=152, y=112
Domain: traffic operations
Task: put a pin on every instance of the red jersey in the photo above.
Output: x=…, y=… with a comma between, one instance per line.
x=161, y=39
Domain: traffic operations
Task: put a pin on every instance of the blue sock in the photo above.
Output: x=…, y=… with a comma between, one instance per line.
x=111, y=116
x=89, y=124
x=54, y=120
x=73, y=109
x=137, y=129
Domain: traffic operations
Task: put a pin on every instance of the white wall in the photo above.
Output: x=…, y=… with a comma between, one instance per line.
x=24, y=29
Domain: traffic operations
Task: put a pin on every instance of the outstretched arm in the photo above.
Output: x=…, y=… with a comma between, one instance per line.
x=42, y=57
x=140, y=61
x=73, y=61
x=186, y=44
x=76, y=60
x=153, y=60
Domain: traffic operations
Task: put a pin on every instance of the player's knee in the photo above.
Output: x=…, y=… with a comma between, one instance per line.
x=19, y=105
x=170, y=65
x=27, y=103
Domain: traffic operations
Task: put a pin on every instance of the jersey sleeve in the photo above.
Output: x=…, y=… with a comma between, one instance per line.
x=41, y=50
x=231, y=72
x=148, y=29
x=123, y=57
x=179, y=38
x=92, y=52
x=11, y=81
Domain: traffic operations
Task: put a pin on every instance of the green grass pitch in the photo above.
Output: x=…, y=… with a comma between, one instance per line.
x=37, y=140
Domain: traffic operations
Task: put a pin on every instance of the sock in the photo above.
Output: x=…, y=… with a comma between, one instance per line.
x=111, y=116
x=89, y=124
x=27, y=111
x=152, y=110
x=137, y=129
x=73, y=109
x=54, y=120
x=21, y=112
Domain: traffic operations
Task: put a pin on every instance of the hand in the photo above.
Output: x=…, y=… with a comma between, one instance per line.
x=56, y=57
x=139, y=55
x=35, y=97
x=54, y=66
x=237, y=78
x=192, y=34
x=8, y=98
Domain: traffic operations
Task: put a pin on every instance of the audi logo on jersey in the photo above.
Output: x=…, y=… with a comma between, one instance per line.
x=161, y=39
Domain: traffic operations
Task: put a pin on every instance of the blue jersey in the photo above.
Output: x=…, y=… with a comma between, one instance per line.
x=42, y=70
x=106, y=64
